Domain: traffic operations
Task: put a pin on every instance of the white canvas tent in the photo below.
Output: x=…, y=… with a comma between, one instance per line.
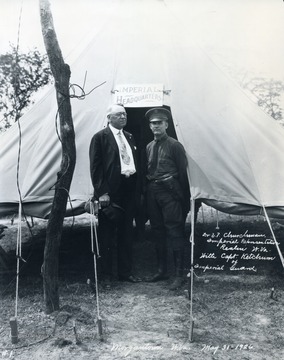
x=235, y=151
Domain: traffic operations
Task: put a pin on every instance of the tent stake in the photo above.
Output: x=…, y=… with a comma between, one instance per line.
x=14, y=330
x=191, y=326
x=100, y=328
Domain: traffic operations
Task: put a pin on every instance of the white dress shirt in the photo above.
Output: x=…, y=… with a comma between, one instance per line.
x=129, y=169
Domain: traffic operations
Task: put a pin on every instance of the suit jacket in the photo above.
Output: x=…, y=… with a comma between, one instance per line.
x=105, y=161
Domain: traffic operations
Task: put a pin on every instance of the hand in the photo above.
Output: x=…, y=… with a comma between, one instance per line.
x=104, y=200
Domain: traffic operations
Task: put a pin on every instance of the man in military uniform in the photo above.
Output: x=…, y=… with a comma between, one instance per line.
x=168, y=194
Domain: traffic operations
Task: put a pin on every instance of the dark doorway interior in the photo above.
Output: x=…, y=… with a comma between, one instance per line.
x=138, y=126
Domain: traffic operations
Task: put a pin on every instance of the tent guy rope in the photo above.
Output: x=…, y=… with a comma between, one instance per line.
x=274, y=237
x=13, y=320
x=93, y=217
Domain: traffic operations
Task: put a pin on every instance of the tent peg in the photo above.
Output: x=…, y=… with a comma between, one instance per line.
x=191, y=326
x=100, y=328
x=14, y=330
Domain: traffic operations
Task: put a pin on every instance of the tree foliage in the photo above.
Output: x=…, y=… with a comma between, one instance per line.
x=268, y=93
x=21, y=75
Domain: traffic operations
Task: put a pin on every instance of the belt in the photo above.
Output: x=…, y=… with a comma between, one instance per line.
x=160, y=181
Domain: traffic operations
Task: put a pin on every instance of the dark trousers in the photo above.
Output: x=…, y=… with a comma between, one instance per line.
x=120, y=234
x=166, y=215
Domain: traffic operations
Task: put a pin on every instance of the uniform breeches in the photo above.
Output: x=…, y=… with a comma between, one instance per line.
x=166, y=216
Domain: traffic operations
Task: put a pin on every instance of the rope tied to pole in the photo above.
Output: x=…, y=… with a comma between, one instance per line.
x=13, y=320
x=94, y=208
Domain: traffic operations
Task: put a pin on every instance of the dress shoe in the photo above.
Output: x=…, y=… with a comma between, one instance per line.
x=177, y=283
x=129, y=278
x=157, y=277
x=107, y=282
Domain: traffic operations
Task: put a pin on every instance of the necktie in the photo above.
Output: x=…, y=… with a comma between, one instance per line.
x=154, y=160
x=123, y=151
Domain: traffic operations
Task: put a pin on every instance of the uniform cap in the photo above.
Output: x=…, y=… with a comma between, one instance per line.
x=157, y=114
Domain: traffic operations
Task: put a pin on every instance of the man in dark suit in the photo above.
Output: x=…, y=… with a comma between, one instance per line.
x=113, y=167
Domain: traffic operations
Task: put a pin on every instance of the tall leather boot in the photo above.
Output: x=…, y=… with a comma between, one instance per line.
x=179, y=266
x=161, y=252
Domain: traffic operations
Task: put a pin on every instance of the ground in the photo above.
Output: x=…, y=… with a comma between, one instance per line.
x=238, y=314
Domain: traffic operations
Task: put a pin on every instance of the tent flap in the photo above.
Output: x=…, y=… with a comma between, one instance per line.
x=235, y=151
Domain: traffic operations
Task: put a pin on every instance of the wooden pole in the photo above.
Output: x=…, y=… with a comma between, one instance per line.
x=191, y=320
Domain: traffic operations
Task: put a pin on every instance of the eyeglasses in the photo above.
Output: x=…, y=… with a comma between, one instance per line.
x=120, y=114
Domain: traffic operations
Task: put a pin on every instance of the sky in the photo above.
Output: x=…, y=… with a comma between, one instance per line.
x=239, y=34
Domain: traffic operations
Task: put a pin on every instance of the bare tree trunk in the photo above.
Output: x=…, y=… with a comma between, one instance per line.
x=61, y=73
